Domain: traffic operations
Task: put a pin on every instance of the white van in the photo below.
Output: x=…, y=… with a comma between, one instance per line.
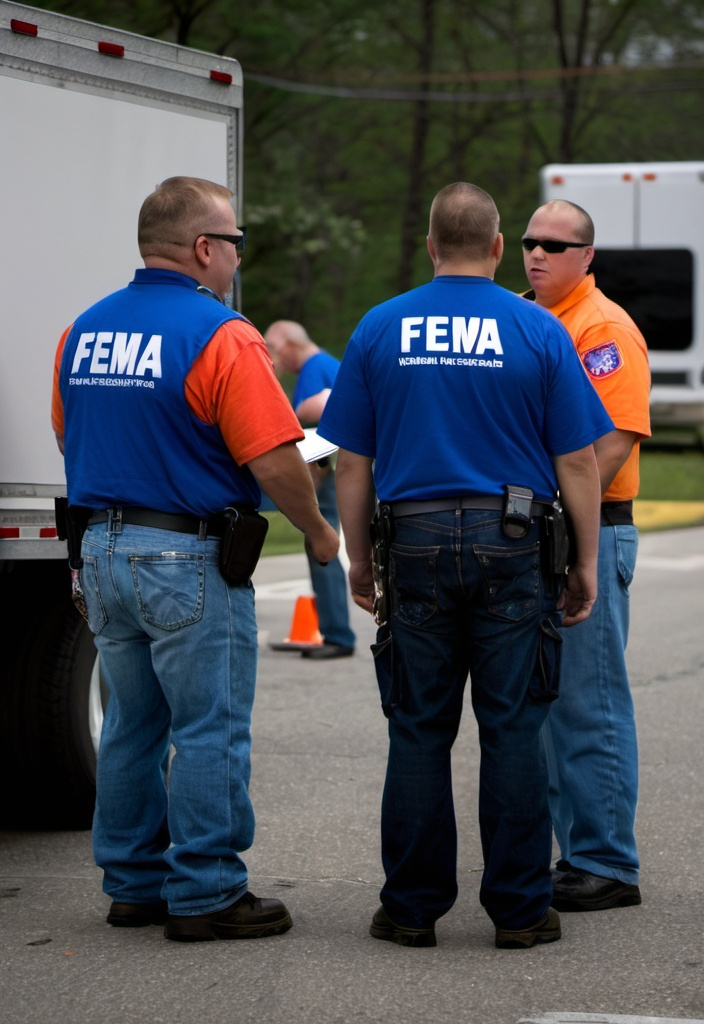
x=649, y=220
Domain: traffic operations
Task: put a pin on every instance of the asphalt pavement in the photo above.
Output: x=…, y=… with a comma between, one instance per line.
x=318, y=766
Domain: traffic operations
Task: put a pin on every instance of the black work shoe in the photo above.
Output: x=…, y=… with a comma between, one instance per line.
x=328, y=651
x=248, y=918
x=136, y=915
x=561, y=868
x=546, y=930
x=581, y=890
x=382, y=927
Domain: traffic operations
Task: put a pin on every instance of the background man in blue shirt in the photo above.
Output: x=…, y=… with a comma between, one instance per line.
x=292, y=351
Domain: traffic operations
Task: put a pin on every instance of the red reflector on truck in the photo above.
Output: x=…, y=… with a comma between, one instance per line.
x=221, y=76
x=111, y=49
x=27, y=533
x=25, y=28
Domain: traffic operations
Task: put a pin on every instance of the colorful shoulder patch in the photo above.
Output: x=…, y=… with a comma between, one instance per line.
x=603, y=360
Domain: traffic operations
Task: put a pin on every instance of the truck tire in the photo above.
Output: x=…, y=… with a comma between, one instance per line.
x=51, y=705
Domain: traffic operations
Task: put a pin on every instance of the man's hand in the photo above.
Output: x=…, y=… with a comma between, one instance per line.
x=578, y=596
x=362, y=584
x=318, y=473
x=324, y=544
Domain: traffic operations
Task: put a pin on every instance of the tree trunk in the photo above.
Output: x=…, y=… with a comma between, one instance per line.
x=414, y=214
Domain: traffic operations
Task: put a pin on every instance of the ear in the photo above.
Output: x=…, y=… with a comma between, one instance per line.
x=201, y=251
x=431, y=251
x=498, y=250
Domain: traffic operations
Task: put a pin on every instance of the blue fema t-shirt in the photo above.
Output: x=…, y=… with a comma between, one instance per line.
x=459, y=387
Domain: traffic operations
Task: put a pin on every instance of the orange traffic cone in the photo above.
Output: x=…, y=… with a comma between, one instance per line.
x=304, y=632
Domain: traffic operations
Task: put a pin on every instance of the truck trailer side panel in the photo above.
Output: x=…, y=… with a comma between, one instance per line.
x=91, y=120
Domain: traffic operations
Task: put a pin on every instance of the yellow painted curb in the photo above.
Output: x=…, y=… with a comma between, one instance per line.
x=667, y=515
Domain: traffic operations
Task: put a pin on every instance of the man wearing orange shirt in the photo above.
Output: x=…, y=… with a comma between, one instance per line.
x=168, y=411
x=590, y=733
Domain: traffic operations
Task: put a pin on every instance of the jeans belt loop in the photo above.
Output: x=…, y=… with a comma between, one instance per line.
x=115, y=520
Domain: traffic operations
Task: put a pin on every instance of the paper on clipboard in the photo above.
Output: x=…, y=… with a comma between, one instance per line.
x=314, y=447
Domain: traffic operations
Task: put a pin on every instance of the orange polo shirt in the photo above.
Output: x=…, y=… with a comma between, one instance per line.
x=615, y=357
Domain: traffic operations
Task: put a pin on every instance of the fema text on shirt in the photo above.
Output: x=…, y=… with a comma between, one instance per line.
x=117, y=354
x=463, y=336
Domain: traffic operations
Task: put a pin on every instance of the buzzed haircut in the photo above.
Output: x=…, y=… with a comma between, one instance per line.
x=464, y=222
x=176, y=210
x=584, y=225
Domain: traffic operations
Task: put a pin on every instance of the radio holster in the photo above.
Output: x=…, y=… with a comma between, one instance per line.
x=556, y=534
x=381, y=533
x=243, y=535
x=71, y=522
x=518, y=505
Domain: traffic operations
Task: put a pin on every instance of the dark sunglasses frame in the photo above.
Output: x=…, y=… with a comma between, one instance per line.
x=236, y=240
x=551, y=245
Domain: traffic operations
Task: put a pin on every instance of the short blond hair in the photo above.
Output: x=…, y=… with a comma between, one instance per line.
x=175, y=210
x=464, y=222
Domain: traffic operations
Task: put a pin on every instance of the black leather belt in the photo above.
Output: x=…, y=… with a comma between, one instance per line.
x=477, y=501
x=212, y=527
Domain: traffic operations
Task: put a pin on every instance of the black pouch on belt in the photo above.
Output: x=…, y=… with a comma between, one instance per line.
x=71, y=522
x=518, y=505
x=558, y=538
x=241, y=544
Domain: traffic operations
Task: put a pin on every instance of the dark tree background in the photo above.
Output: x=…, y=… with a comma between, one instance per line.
x=357, y=113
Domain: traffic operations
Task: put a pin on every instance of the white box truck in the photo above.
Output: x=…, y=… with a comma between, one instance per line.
x=649, y=220
x=91, y=120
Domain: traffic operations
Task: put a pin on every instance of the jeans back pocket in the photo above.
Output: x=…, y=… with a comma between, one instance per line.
x=512, y=579
x=169, y=588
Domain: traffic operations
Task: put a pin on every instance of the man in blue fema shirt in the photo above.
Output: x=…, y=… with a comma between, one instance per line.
x=167, y=410
x=293, y=351
x=446, y=395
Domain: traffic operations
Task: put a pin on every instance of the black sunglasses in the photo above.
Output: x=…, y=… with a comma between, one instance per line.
x=550, y=245
x=236, y=240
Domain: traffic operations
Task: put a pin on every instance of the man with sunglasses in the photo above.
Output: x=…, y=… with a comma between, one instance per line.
x=590, y=733
x=168, y=411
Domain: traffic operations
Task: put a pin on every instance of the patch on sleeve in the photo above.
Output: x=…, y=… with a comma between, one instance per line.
x=603, y=360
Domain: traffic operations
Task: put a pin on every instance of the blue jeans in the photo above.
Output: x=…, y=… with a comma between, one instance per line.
x=590, y=734
x=467, y=601
x=330, y=581
x=178, y=651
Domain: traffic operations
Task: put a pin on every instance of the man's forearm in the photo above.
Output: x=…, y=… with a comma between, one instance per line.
x=611, y=451
x=580, y=495
x=285, y=477
x=356, y=500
